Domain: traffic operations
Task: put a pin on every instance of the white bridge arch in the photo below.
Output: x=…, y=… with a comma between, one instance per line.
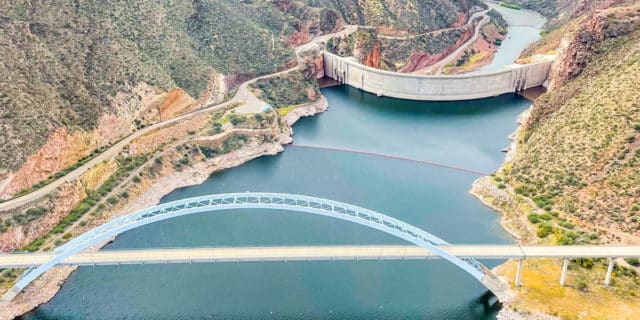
x=252, y=200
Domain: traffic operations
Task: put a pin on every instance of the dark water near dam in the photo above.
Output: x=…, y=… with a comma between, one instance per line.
x=467, y=134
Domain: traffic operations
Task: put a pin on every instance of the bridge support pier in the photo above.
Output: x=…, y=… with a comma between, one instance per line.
x=519, y=273
x=607, y=279
x=563, y=276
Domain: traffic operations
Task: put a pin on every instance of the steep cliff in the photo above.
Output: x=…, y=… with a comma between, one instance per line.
x=580, y=150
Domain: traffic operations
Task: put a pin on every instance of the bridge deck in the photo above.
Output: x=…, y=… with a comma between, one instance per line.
x=292, y=253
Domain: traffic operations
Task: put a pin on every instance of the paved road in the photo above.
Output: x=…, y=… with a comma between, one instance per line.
x=188, y=255
x=435, y=32
x=438, y=66
x=104, y=156
x=253, y=104
x=243, y=95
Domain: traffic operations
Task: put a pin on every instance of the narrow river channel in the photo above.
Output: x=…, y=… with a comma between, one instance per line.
x=467, y=134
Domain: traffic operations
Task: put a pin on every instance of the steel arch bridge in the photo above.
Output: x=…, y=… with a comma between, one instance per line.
x=253, y=200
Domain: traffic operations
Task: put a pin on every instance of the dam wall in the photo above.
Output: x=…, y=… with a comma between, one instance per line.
x=513, y=78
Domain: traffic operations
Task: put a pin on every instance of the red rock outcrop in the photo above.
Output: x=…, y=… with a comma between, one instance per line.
x=421, y=59
x=299, y=37
x=574, y=53
x=62, y=149
x=318, y=63
x=372, y=59
x=461, y=21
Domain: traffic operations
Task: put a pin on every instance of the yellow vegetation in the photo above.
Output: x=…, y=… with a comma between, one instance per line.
x=541, y=291
x=474, y=58
x=285, y=110
x=98, y=174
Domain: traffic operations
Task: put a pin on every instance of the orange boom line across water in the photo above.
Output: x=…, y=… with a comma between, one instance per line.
x=393, y=157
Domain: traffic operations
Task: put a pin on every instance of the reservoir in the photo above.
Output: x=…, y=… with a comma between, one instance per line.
x=466, y=134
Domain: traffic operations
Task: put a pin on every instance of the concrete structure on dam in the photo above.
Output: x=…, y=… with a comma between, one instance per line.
x=513, y=78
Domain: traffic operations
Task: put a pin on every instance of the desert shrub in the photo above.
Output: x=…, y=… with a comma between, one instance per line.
x=533, y=218
x=544, y=229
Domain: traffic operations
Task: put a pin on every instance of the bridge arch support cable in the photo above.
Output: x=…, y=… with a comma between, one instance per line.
x=259, y=200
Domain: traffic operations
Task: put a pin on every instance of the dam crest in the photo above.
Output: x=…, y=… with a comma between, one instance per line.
x=513, y=78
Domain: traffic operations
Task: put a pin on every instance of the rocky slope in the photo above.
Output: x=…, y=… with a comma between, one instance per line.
x=75, y=70
x=79, y=75
x=580, y=149
x=408, y=47
x=573, y=172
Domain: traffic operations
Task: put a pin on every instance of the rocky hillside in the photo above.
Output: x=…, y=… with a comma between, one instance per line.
x=401, y=16
x=396, y=47
x=64, y=61
x=561, y=12
x=79, y=75
x=580, y=151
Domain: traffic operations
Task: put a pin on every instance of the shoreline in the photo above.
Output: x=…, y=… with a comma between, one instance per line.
x=43, y=289
x=46, y=287
x=488, y=193
x=499, y=200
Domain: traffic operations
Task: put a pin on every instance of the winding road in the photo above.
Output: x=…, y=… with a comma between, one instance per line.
x=250, y=104
x=438, y=66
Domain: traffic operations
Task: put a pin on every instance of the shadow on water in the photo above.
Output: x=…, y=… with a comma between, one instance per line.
x=386, y=105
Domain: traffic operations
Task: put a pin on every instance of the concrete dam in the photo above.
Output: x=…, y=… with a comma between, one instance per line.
x=511, y=79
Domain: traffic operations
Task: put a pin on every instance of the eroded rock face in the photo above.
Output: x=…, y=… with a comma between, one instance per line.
x=61, y=150
x=140, y=105
x=19, y=236
x=372, y=59
x=421, y=59
x=576, y=50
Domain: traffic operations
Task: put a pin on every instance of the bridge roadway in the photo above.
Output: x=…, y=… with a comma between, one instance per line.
x=304, y=253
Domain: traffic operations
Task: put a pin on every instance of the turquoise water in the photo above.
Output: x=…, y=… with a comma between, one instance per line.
x=524, y=29
x=467, y=134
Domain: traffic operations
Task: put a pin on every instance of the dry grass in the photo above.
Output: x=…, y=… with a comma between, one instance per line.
x=541, y=291
x=581, y=149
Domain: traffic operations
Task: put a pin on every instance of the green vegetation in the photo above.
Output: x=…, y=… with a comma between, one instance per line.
x=293, y=88
x=466, y=56
x=342, y=46
x=9, y=276
x=510, y=5
x=579, y=151
x=125, y=165
x=234, y=142
x=208, y=152
x=498, y=21
x=69, y=58
x=424, y=15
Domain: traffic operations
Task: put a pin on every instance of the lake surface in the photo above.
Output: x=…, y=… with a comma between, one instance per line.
x=467, y=134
